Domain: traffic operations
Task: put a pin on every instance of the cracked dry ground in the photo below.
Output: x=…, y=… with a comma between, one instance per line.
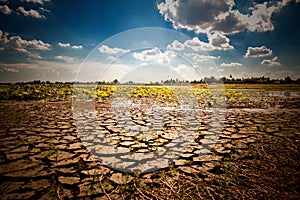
x=42, y=157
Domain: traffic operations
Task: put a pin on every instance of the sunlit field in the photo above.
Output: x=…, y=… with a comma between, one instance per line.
x=44, y=155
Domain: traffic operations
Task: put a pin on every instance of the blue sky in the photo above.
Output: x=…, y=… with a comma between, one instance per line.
x=60, y=40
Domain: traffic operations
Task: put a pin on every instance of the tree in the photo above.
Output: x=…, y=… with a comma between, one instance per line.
x=115, y=82
x=287, y=79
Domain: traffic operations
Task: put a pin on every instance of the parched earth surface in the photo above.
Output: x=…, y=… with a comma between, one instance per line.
x=257, y=156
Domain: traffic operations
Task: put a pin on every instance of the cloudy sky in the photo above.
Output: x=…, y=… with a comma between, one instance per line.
x=60, y=40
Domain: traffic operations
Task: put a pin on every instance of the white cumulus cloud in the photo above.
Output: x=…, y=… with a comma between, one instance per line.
x=155, y=54
x=44, y=10
x=109, y=50
x=77, y=47
x=18, y=44
x=37, y=1
x=196, y=15
x=5, y=10
x=176, y=45
x=233, y=64
x=272, y=63
x=203, y=16
x=31, y=13
x=37, y=44
x=256, y=52
x=217, y=41
x=65, y=45
x=197, y=45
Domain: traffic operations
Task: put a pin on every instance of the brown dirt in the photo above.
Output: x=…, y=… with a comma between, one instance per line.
x=42, y=157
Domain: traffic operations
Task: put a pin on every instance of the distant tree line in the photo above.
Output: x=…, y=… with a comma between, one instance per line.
x=252, y=80
x=208, y=80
